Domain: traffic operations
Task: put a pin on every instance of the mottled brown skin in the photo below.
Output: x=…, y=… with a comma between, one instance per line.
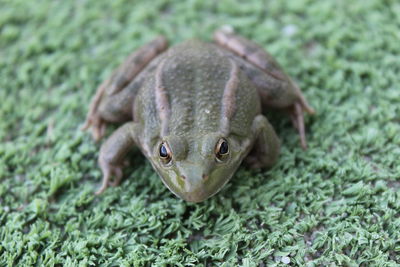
x=194, y=110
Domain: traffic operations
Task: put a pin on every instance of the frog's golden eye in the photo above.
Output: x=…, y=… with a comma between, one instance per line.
x=165, y=153
x=222, y=149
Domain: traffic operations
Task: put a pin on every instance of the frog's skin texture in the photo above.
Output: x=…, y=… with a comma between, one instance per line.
x=195, y=112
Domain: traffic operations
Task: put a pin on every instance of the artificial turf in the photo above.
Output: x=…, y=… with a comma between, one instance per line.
x=337, y=203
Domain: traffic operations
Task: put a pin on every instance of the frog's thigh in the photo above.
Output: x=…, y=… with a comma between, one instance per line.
x=275, y=88
x=134, y=64
x=113, y=152
x=119, y=106
x=274, y=92
x=114, y=97
x=266, y=146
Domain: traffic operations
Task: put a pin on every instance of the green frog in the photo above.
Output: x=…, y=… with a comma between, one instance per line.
x=195, y=112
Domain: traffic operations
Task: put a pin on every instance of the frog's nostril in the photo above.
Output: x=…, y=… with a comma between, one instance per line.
x=183, y=177
x=205, y=176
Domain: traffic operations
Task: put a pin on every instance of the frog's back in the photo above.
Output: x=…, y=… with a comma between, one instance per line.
x=195, y=89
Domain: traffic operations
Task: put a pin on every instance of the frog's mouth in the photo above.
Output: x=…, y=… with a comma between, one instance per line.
x=194, y=185
x=196, y=193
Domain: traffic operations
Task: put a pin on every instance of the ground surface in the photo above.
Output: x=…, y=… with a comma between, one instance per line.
x=337, y=203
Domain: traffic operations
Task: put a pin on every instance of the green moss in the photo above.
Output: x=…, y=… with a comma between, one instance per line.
x=336, y=203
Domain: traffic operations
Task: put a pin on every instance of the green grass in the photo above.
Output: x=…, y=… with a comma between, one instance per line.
x=338, y=203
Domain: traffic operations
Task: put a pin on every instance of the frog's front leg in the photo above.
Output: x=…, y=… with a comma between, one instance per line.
x=113, y=101
x=275, y=88
x=266, y=146
x=113, y=152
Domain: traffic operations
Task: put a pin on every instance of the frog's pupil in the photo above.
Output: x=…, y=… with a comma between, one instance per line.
x=163, y=151
x=223, y=149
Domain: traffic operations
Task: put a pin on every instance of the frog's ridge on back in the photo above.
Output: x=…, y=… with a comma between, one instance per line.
x=194, y=110
x=194, y=102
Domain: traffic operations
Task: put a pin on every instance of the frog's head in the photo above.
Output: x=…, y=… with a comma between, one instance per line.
x=197, y=168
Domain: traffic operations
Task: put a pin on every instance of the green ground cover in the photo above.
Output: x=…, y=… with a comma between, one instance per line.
x=337, y=203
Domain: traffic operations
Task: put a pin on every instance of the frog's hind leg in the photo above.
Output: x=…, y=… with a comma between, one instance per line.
x=114, y=98
x=275, y=88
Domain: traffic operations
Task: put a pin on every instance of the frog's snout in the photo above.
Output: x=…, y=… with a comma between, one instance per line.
x=193, y=186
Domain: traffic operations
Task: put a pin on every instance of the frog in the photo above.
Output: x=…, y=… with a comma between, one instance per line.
x=196, y=112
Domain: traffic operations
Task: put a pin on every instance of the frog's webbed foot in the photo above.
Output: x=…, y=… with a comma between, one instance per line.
x=109, y=171
x=275, y=88
x=296, y=115
x=113, y=152
x=96, y=124
x=93, y=117
x=296, y=111
x=98, y=128
x=114, y=98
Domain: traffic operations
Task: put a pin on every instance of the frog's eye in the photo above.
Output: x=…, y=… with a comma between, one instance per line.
x=222, y=149
x=165, y=153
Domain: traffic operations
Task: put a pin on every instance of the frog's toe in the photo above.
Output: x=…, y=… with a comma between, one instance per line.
x=98, y=130
x=305, y=106
x=297, y=117
x=108, y=172
x=117, y=177
x=104, y=184
x=86, y=124
x=97, y=127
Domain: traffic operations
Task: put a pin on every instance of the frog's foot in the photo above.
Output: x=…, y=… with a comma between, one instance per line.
x=302, y=100
x=93, y=118
x=108, y=172
x=97, y=126
x=296, y=112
